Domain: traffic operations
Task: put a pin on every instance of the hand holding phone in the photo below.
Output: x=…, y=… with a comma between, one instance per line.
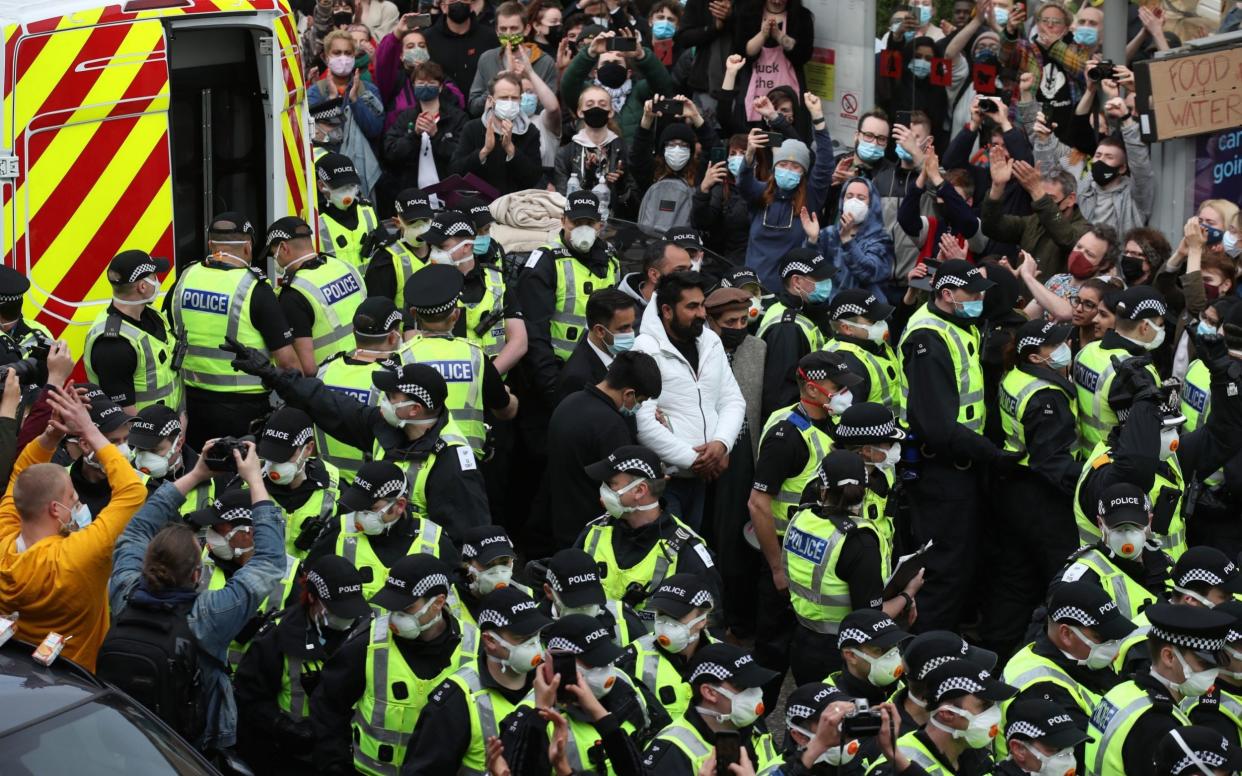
x=728, y=751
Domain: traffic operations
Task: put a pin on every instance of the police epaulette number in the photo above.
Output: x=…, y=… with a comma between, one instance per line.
x=441, y=693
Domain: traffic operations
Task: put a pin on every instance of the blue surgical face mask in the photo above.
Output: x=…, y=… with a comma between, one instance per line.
x=870, y=152
x=1002, y=16
x=482, y=244
x=970, y=309
x=908, y=35
x=663, y=29
x=530, y=103
x=787, y=180
x=921, y=68
x=1205, y=329
x=925, y=14
x=622, y=341
x=425, y=92
x=1086, y=36
x=1061, y=357
x=903, y=154
x=822, y=292
x=735, y=164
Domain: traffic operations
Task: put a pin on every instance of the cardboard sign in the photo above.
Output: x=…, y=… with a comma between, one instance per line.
x=891, y=64
x=941, y=72
x=984, y=76
x=1190, y=95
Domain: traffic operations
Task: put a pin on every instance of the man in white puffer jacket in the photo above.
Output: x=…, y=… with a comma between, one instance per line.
x=701, y=408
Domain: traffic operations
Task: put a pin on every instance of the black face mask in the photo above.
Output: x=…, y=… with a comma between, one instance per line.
x=341, y=18
x=1103, y=173
x=732, y=338
x=611, y=74
x=554, y=34
x=1131, y=269
x=459, y=13
x=595, y=118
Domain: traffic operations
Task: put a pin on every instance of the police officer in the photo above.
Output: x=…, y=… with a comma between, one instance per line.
x=638, y=544
x=466, y=709
x=1121, y=563
x=1204, y=576
x=319, y=294
x=487, y=564
x=130, y=350
x=392, y=264
x=814, y=743
x=1042, y=739
x=284, y=662
x=835, y=563
x=870, y=646
x=660, y=660
x=923, y=653
x=944, y=406
x=555, y=284
x=726, y=695
x=1033, y=535
x=491, y=319
x=377, y=527
x=1190, y=751
x=302, y=484
x=474, y=385
x=1140, y=312
x=1070, y=662
x=963, y=702
x=1221, y=707
x=157, y=442
x=746, y=279
x=870, y=430
x=411, y=428
x=596, y=702
x=795, y=324
x=19, y=330
x=346, y=221
x=1147, y=449
x=373, y=689
x=377, y=332
x=87, y=473
x=1184, y=645
x=224, y=297
x=571, y=585
x=861, y=335
x=487, y=250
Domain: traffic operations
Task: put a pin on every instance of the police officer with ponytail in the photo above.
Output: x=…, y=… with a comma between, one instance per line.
x=283, y=665
x=1033, y=504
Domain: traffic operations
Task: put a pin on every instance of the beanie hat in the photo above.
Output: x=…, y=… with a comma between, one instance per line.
x=677, y=131
x=792, y=151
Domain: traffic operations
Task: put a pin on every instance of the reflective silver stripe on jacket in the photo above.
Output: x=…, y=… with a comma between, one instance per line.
x=697, y=746
x=1114, y=724
x=337, y=330
x=965, y=395
x=239, y=297
x=1015, y=437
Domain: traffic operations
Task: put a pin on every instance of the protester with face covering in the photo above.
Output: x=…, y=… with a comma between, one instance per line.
x=631, y=78
x=857, y=244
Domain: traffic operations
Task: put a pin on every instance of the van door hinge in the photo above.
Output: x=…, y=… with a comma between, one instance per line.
x=265, y=46
x=10, y=168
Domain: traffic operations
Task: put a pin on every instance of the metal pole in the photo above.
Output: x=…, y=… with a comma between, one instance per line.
x=1115, y=23
x=208, y=164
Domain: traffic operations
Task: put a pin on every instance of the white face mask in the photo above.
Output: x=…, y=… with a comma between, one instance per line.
x=1196, y=682
x=1126, y=542
x=370, y=521
x=410, y=626
x=1063, y=763
x=1158, y=340
x=284, y=472
x=676, y=157
x=560, y=610
x=981, y=727
x=611, y=499
x=1101, y=655
x=155, y=292
x=507, y=110
x=342, y=199
x=876, y=332
x=79, y=517
x=856, y=209
x=411, y=232
x=220, y=547
x=330, y=621
x=489, y=579
x=1168, y=442
x=598, y=680
x=745, y=707
x=389, y=412
x=581, y=238
x=445, y=256
x=1231, y=245
x=841, y=401
x=153, y=464
x=522, y=658
x=837, y=755
x=883, y=670
x=675, y=635
x=93, y=461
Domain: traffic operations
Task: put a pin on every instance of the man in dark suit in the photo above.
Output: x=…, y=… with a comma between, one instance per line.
x=611, y=320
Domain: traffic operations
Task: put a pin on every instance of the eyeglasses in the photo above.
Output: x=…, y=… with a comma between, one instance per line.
x=1089, y=306
x=871, y=137
x=1052, y=21
x=1129, y=255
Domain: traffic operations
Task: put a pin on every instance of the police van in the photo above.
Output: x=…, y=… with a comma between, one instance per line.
x=127, y=124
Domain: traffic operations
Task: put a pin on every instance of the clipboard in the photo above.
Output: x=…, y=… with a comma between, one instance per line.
x=907, y=568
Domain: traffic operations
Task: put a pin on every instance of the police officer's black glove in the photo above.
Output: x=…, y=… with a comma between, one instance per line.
x=251, y=361
x=1133, y=378
x=1005, y=464
x=294, y=734
x=1215, y=354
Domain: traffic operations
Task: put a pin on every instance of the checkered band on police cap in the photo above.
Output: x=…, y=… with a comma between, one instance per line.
x=1201, y=575
x=330, y=109
x=142, y=270
x=1148, y=304
x=440, y=308
x=320, y=585
x=455, y=227
x=933, y=664
x=395, y=487
x=815, y=375
x=172, y=426
x=1234, y=634
x=631, y=464
x=418, y=392
x=723, y=673
x=493, y=617
x=702, y=598
x=852, y=634
x=959, y=281
x=1077, y=615
x=236, y=513
x=883, y=430
x=561, y=644
x=797, y=266
x=429, y=582
x=1023, y=728
x=795, y=712
x=958, y=684
x=1197, y=643
x=849, y=309
x=1030, y=342
x=1209, y=758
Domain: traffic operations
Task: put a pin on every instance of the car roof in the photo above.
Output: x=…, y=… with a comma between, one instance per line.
x=29, y=690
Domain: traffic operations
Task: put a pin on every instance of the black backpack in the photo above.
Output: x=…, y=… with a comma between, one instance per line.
x=151, y=654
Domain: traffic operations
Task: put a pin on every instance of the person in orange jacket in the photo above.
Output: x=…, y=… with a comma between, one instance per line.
x=54, y=558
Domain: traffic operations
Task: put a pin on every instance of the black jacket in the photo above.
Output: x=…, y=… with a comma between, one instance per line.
x=586, y=427
x=403, y=146
x=523, y=171
x=583, y=368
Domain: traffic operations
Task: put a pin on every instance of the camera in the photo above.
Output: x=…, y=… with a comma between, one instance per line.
x=863, y=721
x=669, y=107
x=621, y=44
x=1103, y=70
x=220, y=456
x=988, y=105
x=31, y=369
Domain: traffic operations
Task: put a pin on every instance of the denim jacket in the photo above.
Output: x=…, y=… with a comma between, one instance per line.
x=217, y=615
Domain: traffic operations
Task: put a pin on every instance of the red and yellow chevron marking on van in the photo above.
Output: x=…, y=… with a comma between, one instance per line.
x=86, y=113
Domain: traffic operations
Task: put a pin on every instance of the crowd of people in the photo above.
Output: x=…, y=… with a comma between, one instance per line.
x=607, y=409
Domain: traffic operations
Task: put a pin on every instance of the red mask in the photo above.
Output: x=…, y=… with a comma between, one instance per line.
x=1080, y=266
x=1211, y=292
